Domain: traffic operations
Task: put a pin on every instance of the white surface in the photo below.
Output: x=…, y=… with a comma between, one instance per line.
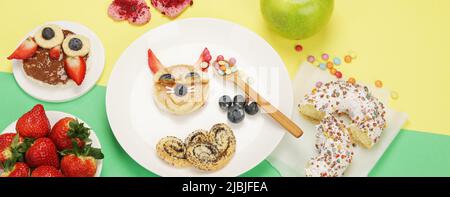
x=138, y=124
x=70, y=91
x=292, y=155
x=55, y=116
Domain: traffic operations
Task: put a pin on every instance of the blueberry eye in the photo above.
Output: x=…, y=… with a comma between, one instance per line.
x=166, y=78
x=75, y=44
x=192, y=75
x=48, y=33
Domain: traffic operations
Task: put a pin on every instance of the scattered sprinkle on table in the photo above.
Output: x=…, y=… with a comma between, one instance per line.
x=325, y=56
x=311, y=59
x=337, y=61
x=351, y=80
x=348, y=59
x=299, y=48
x=394, y=95
x=323, y=66
x=378, y=84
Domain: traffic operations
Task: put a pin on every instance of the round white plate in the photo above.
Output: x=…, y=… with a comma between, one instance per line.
x=70, y=91
x=55, y=116
x=138, y=124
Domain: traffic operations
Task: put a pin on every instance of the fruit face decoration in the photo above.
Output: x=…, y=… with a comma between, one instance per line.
x=180, y=89
x=54, y=56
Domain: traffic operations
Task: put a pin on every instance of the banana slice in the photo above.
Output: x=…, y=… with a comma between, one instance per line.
x=49, y=36
x=76, y=45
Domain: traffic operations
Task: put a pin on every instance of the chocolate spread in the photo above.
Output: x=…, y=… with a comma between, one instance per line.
x=45, y=69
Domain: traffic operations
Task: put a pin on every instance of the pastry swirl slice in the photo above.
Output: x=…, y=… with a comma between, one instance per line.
x=222, y=136
x=199, y=136
x=173, y=151
x=206, y=156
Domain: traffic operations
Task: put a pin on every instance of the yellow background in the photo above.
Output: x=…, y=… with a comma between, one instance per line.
x=405, y=43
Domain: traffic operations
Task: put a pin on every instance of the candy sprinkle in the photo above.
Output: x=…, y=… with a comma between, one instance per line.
x=325, y=56
x=323, y=66
x=330, y=65
x=338, y=74
x=394, y=95
x=378, y=84
x=337, y=61
x=311, y=59
x=348, y=59
x=333, y=71
x=319, y=84
x=351, y=80
x=299, y=48
x=232, y=61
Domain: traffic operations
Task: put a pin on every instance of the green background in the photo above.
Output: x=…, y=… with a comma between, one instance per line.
x=411, y=153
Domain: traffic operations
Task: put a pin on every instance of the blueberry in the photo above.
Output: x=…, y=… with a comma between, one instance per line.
x=225, y=102
x=48, y=33
x=239, y=100
x=252, y=108
x=236, y=114
x=181, y=90
x=75, y=44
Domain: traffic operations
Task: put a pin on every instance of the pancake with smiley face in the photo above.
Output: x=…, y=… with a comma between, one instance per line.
x=180, y=89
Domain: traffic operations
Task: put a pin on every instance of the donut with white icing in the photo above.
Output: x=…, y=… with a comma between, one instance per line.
x=334, y=149
x=335, y=138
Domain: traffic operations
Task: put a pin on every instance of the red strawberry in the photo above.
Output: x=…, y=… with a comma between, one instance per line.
x=80, y=162
x=153, y=62
x=204, y=60
x=46, y=171
x=26, y=50
x=67, y=129
x=55, y=53
x=19, y=169
x=7, y=146
x=34, y=124
x=42, y=153
x=75, y=68
x=73, y=166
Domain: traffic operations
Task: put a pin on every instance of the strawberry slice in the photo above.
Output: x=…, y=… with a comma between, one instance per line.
x=153, y=62
x=55, y=53
x=75, y=68
x=26, y=50
x=204, y=60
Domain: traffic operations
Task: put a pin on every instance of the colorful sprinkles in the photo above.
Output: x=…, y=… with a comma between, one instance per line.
x=224, y=67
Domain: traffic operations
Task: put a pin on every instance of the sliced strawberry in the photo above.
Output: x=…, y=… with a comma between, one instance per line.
x=26, y=50
x=171, y=8
x=153, y=62
x=75, y=68
x=204, y=60
x=55, y=53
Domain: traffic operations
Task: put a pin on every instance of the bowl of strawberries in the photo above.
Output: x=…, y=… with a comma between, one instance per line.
x=49, y=144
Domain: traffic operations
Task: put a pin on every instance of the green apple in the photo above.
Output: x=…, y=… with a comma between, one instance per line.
x=297, y=19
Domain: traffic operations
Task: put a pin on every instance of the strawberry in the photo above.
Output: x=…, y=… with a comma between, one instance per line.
x=46, y=171
x=9, y=143
x=153, y=62
x=204, y=60
x=26, y=50
x=67, y=129
x=34, y=124
x=75, y=68
x=55, y=53
x=80, y=162
x=18, y=169
x=42, y=153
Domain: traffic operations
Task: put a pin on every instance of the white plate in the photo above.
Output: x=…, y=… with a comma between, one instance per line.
x=70, y=91
x=291, y=156
x=138, y=124
x=55, y=116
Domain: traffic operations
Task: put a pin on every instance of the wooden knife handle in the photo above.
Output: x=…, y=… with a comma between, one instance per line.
x=276, y=114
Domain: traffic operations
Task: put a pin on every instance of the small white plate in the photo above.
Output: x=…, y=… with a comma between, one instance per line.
x=55, y=116
x=138, y=124
x=70, y=91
